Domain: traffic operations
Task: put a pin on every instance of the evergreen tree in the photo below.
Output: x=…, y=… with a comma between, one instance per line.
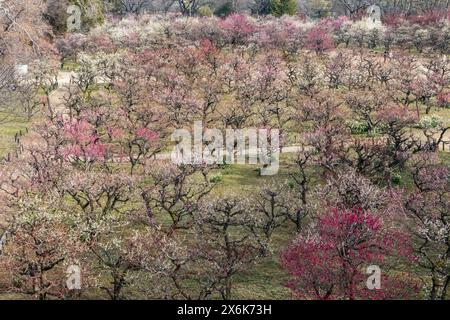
x=275, y=8
x=320, y=8
x=289, y=7
x=225, y=9
x=279, y=8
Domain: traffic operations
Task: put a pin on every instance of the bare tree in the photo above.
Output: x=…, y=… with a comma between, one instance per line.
x=7, y=82
x=21, y=26
x=188, y=7
x=133, y=6
x=22, y=36
x=353, y=6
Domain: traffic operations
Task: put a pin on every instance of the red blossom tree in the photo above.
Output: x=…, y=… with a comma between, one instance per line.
x=330, y=263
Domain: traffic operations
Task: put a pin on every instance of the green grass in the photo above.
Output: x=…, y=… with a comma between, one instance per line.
x=266, y=279
x=70, y=65
x=262, y=282
x=8, y=129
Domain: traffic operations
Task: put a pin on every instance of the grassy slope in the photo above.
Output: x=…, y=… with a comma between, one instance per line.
x=8, y=129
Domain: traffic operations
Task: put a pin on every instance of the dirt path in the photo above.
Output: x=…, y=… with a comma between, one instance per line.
x=57, y=96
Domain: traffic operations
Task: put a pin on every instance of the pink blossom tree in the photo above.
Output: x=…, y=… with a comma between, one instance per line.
x=318, y=40
x=238, y=28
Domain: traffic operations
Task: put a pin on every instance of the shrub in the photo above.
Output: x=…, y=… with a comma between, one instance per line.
x=205, y=11
x=396, y=179
x=358, y=127
x=429, y=122
x=216, y=178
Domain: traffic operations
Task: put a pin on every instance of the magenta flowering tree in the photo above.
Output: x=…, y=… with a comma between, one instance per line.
x=432, y=17
x=207, y=50
x=282, y=35
x=330, y=261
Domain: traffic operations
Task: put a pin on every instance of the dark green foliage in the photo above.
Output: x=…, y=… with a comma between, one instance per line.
x=224, y=10
x=276, y=8
x=396, y=180
x=288, y=7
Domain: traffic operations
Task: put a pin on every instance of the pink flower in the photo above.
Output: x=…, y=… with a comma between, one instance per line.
x=147, y=134
x=319, y=40
x=237, y=27
x=327, y=264
x=206, y=48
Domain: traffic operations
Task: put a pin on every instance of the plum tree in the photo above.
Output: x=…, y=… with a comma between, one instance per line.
x=328, y=263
